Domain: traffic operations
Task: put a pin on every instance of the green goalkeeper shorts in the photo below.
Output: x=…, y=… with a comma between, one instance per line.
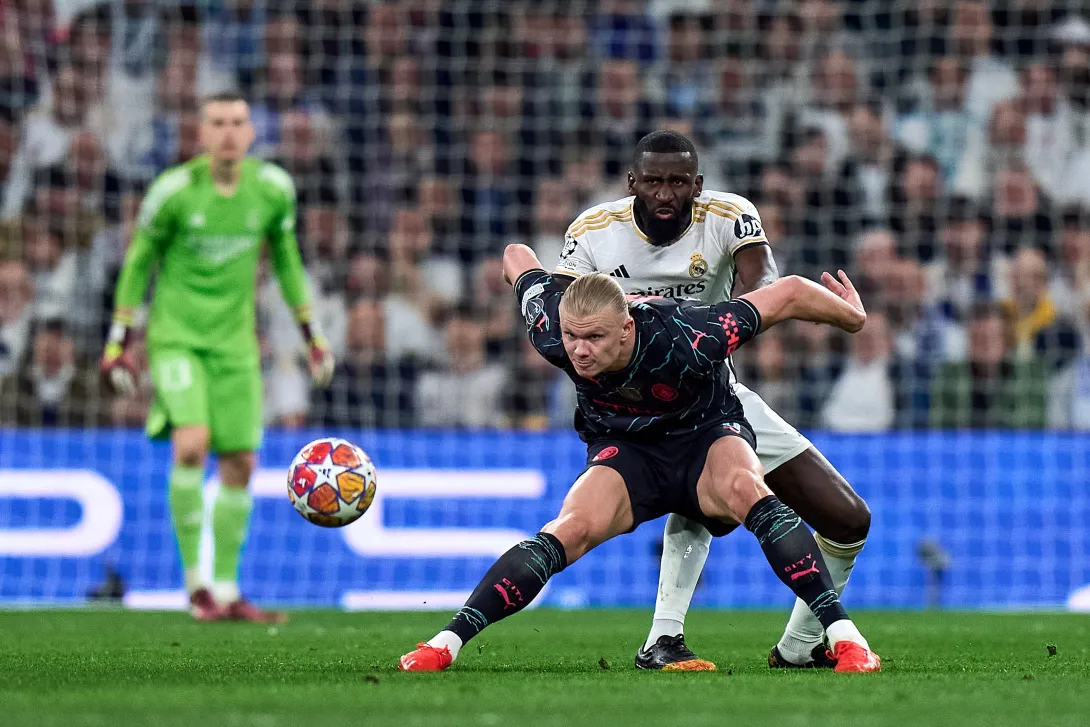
x=220, y=392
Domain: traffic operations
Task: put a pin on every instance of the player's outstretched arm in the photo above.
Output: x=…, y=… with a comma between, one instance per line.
x=793, y=297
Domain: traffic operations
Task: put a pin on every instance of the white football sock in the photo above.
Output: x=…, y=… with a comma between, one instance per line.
x=684, y=551
x=803, y=630
x=845, y=630
x=448, y=639
x=194, y=581
x=225, y=592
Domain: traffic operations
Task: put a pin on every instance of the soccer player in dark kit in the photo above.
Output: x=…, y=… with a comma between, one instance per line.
x=665, y=433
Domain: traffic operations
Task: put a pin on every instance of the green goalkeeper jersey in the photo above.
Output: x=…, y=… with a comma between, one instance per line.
x=207, y=246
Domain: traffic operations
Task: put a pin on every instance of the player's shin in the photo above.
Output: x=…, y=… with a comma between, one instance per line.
x=803, y=631
x=230, y=524
x=793, y=554
x=186, y=510
x=510, y=585
x=684, y=551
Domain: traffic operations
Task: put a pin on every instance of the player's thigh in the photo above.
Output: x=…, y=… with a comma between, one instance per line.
x=777, y=440
x=181, y=390
x=731, y=482
x=596, y=508
x=810, y=485
x=235, y=410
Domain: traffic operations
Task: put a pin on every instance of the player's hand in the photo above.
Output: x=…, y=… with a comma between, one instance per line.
x=118, y=369
x=844, y=290
x=320, y=361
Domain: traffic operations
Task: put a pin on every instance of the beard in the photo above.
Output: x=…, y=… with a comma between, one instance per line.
x=658, y=230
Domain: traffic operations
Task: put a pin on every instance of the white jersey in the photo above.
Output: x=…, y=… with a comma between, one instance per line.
x=699, y=264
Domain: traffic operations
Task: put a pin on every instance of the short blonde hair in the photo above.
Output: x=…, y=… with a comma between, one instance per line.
x=593, y=293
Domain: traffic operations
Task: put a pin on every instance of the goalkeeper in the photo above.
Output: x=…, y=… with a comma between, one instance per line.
x=204, y=224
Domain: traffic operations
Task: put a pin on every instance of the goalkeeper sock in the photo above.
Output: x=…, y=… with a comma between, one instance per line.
x=684, y=551
x=187, y=511
x=508, y=586
x=230, y=524
x=803, y=631
x=794, y=555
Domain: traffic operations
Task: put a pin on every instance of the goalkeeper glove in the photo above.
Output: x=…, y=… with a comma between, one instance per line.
x=117, y=366
x=319, y=356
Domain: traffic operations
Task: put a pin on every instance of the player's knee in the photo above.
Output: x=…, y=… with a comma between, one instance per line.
x=236, y=468
x=191, y=447
x=735, y=492
x=853, y=525
x=576, y=532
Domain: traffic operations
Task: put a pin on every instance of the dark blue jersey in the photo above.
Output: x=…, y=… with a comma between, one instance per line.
x=677, y=381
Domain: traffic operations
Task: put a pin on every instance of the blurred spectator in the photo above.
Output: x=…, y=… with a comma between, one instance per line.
x=836, y=92
x=824, y=232
x=915, y=206
x=539, y=395
x=816, y=352
x=990, y=79
x=875, y=253
x=1069, y=391
x=620, y=30
x=493, y=304
x=436, y=200
x=1073, y=37
x=54, y=270
x=961, y=275
x=862, y=398
x=9, y=141
x=1069, y=283
x=921, y=334
x=686, y=72
x=411, y=333
x=279, y=91
x=175, y=96
x=584, y=173
x=618, y=113
x=1050, y=130
x=52, y=389
x=554, y=211
x=942, y=126
x=1039, y=331
x=740, y=126
x=304, y=154
x=1002, y=145
x=433, y=282
x=489, y=195
x=467, y=392
x=368, y=388
x=867, y=175
x=990, y=389
x=16, y=312
x=1021, y=214
x=324, y=242
x=286, y=388
x=97, y=269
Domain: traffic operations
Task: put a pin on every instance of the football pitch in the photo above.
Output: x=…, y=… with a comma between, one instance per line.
x=114, y=668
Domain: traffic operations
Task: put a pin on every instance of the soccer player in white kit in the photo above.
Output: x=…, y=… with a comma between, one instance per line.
x=673, y=238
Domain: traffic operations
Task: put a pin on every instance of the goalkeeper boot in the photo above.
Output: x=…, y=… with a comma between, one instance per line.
x=852, y=658
x=243, y=610
x=819, y=659
x=670, y=653
x=203, y=606
x=426, y=658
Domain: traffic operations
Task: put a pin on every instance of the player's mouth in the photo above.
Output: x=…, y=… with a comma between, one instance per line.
x=665, y=213
x=582, y=367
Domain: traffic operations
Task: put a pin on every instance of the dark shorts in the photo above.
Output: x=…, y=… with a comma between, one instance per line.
x=661, y=476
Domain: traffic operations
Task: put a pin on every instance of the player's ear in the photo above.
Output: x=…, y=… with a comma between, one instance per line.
x=698, y=185
x=631, y=184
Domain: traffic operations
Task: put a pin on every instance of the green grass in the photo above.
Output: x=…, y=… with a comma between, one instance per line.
x=110, y=668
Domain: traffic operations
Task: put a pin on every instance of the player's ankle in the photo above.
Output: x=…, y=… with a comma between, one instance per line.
x=447, y=639
x=845, y=630
x=225, y=591
x=664, y=627
x=798, y=648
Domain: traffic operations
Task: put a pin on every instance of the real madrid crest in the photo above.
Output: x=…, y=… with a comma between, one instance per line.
x=698, y=266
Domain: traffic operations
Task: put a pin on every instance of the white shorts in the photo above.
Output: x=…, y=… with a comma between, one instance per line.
x=777, y=441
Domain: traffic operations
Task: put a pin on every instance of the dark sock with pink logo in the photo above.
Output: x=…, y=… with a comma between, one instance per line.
x=793, y=553
x=510, y=584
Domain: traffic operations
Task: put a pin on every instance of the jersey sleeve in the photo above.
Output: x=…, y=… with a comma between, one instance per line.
x=744, y=230
x=283, y=248
x=575, y=256
x=539, y=294
x=716, y=331
x=156, y=223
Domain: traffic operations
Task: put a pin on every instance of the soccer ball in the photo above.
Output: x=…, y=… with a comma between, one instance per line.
x=331, y=482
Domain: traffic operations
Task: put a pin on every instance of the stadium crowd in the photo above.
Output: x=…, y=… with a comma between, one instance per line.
x=937, y=150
